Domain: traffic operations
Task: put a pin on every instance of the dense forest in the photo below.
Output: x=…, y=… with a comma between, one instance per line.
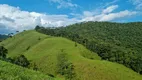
x=116, y=42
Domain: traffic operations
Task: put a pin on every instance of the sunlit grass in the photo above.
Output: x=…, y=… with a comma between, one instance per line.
x=44, y=51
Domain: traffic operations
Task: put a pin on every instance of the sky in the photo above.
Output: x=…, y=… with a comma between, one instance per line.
x=26, y=14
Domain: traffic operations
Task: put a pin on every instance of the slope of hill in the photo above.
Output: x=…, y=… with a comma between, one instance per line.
x=10, y=71
x=21, y=42
x=43, y=51
x=116, y=42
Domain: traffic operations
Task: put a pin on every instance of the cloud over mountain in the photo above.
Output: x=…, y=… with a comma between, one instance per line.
x=16, y=19
x=13, y=18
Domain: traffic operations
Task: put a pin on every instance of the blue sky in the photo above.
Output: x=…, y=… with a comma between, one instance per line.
x=26, y=14
x=50, y=6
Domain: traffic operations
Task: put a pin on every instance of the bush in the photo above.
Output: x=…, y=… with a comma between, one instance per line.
x=50, y=75
x=3, y=52
x=70, y=74
x=35, y=67
x=64, y=67
x=75, y=44
x=22, y=61
x=28, y=47
x=62, y=62
x=39, y=38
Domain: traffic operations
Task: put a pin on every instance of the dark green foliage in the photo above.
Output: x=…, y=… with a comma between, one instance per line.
x=9, y=60
x=64, y=67
x=137, y=66
x=3, y=52
x=116, y=42
x=22, y=61
x=39, y=38
x=37, y=27
x=28, y=47
x=141, y=72
x=17, y=31
x=75, y=44
x=50, y=75
x=35, y=67
x=70, y=74
x=62, y=62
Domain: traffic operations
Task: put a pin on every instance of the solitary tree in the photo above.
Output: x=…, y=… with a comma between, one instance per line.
x=37, y=27
x=17, y=31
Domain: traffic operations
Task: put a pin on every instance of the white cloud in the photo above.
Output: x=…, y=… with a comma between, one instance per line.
x=88, y=13
x=112, y=2
x=121, y=14
x=15, y=19
x=12, y=18
x=137, y=3
x=110, y=9
x=64, y=4
x=107, y=14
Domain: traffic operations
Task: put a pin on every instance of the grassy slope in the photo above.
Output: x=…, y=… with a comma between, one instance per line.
x=19, y=43
x=43, y=52
x=10, y=71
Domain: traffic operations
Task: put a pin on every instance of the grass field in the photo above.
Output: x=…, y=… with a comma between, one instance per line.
x=10, y=71
x=43, y=50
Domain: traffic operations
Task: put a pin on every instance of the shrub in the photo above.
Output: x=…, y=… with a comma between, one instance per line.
x=64, y=67
x=22, y=61
x=75, y=44
x=3, y=52
x=28, y=47
x=62, y=62
x=70, y=74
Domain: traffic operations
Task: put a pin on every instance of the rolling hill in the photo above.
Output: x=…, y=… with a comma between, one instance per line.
x=116, y=42
x=43, y=51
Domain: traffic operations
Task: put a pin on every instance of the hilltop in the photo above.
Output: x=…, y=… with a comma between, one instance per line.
x=44, y=50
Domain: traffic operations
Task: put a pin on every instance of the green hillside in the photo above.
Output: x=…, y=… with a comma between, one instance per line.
x=116, y=42
x=44, y=50
x=10, y=71
x=19, y=44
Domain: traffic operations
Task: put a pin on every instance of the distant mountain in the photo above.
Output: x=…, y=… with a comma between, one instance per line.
x=2, y=37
